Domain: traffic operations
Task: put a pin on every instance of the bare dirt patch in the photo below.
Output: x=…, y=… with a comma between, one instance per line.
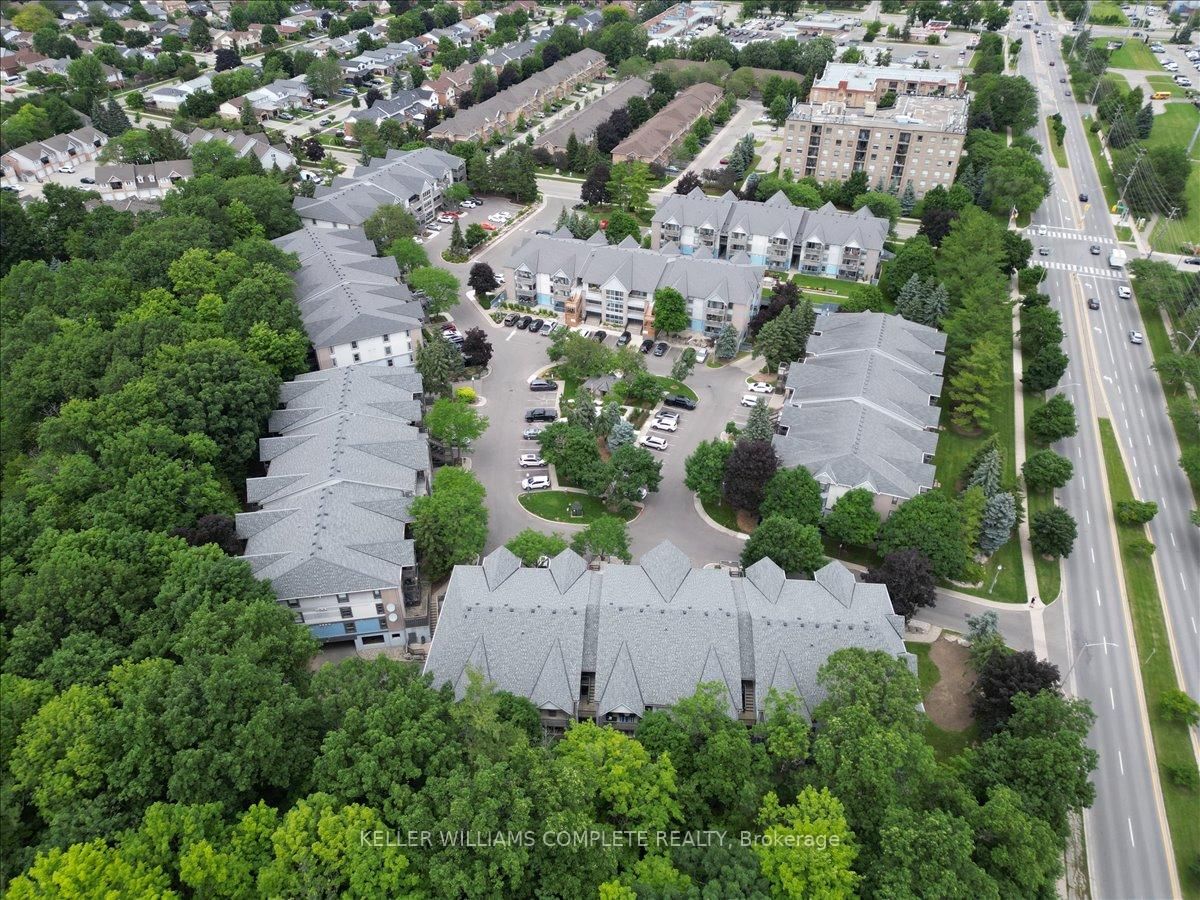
x=948, y=703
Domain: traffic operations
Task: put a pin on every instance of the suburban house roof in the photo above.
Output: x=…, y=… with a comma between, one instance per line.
x=860, y=407
x=469, y=121
x=341, y=478
x=667, y=125
x=396, y=178
x=776, y=216
x=344, y=292
x=144, y=174
x=584, y=123
x=638, y=269
x=243, y=144
x=652, y=631
x=408, y=104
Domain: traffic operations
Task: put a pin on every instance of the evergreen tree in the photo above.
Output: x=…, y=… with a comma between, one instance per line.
x=727, y=343
x=910, y=301
x=935, y=305
x=573, y=161
x=989, y=472
x=1144, y=121
x=908, y=200
x=999, y=517
x=758, y=424
x=622, y=433
x=971, y=388
x=458, y=244
x=116, y=118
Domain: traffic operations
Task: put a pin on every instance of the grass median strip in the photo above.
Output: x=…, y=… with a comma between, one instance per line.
x=556, y=506
x=1172, y=744
x=1106, y=176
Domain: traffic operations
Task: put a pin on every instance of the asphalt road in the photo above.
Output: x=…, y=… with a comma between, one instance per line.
x=1128, y=847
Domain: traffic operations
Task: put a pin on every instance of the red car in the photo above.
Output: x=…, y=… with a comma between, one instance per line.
x=488, y=226
x=724, y=162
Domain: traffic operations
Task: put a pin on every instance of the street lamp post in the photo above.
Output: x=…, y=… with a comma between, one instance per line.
x=1105, y=643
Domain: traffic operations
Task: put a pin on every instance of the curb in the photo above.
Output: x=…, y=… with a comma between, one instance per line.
x=641, y=509
x=712, y=523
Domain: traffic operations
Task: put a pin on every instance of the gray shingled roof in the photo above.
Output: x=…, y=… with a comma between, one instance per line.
x=637, y=269
x=858, y=411
x=666, y=126
x=651, y=632
x=584, y=123
x=774, y=217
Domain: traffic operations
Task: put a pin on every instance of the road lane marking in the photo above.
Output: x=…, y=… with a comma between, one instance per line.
x=1193, y=618
x=1088, y=513
x=1131, y=840
x=1092, y=550
x=1155, y=469
x=1112, y=699
x=1097, y=596
x=1121, y=762
x=1172, y=536
x=1183, y=581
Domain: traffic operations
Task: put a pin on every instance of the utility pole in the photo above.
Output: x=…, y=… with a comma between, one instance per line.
x=1105, y=643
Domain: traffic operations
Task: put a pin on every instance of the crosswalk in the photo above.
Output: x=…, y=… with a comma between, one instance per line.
x=1092, y=271
x=1033, y=234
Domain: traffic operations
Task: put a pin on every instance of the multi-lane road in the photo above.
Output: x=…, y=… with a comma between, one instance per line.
x=1109, y=377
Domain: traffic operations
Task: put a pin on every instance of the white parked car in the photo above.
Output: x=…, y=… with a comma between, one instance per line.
x=434, y=227
x=654, y=442
x=536, y=483
x=504, y=215
x=68, y=169
x=531, y=460
x=761, y=387
x=665, y=425
x=445, y=219
x=468, y=204
x=751, y=400
x=498, y=219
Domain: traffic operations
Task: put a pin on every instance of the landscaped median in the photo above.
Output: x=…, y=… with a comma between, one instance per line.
x=1172, y=743
x=556, y=507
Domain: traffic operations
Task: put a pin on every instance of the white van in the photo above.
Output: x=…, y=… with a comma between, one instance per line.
x=750, y=400
x=12, y=79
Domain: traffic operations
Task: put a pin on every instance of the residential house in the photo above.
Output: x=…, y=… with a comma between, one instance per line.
x=300, y=19
x=449, y=85
x=615, y=285
x=407, y=106
x=14, y=61
x=242, y=41
x=655, y=139
x=612, y=644
x=774, y=233
x=257, y=145
x=172, y=96
x=281, y=94
x=330, y=525
x=503, y=110
x=515, y=53
x=583, y=124
x=861, y=409
x=135, y=25
x=36, y=160
x=415, y=179
x=143, y=181
x=354, y=307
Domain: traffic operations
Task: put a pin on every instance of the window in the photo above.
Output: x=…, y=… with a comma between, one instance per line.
x=357, y=358
x=293, y=602
x=343, y=598
x=345, y=612
x=351, y=628
x=379, y=608
x=354, y=345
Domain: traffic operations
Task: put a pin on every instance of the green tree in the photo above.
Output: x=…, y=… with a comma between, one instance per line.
x=408, y=254
x=793, y=493
x=441, y=286
x=389, y=223
x=853, y=519
x=1053, y=421
x=453, y=423
x=793, y=546
x=530, y=545
x=629, y=469
x=89, y=867
x=439, y=364
x=1136, y=512
x=450, y=524
x=811, y=851
x=972, y=388
x=324, y=76
x=931, y=523
x=727, y=343
x=603, y=537
x=1046, y=469
x=778, y=110
x=1052, y=532
x=704, y=469
x=1177, y=706
x=758, y=425
x=915, y=257
x=629, y=185
x=881, y=204
x=86, y=76
x=927, y=851
x=199, y=37
x=622, y=225
x=670, y=311
x=683, y=366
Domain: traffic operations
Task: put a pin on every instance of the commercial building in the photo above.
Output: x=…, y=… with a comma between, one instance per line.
x=917, y=142
x=584, y=123
x=36, y=160
x=773, y=233
x=612, y=644
x=352, y=302
x=857, y=85
x=329, y=525
x=861, y=409
x=615, y=285
x=655, y=139
x=415, y=179
x=682, y=22
x=144, y=181
x=503, y=110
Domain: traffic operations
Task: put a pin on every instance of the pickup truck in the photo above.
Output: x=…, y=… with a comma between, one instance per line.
x=1116, y=258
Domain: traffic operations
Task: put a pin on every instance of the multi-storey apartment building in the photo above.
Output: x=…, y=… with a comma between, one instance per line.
x=503, y=110
x=774, y=233
x=654, y=141
x=353, y=304
x=329, y=524
x=861, y=409
x=609, y=645
x=857, y=85
x=615, y=285
x=917, y=142
x=415, y=179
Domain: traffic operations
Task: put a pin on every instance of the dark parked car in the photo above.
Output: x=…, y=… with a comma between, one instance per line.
x=600, y=336
x=511, y=319
x=541, y=414
x=660, y=348
x=679, y=401
x=542, y=384
x=523, y=322
x=543, y=231
x=647, y=346
x=624, y=339
x=1093, y=303
x=1192, y=261
x=536, y=325
x=87, y=180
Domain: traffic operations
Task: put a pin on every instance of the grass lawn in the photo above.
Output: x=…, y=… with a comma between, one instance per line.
x=1124, y=234
x=553, y=505
x=823, y=285
x=1049, y=571
x=954, y=451
x=946, y=744
x=1164, y=83
x=1059, y=151
x=1171, y=741
x=1179, y=405
x=1106, y=176
x=1168, y=233
x=721, y=513
x=1106, y=12
x=1175, y=126
x=1132, y=55
x=665, y=384
x=714, y=363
